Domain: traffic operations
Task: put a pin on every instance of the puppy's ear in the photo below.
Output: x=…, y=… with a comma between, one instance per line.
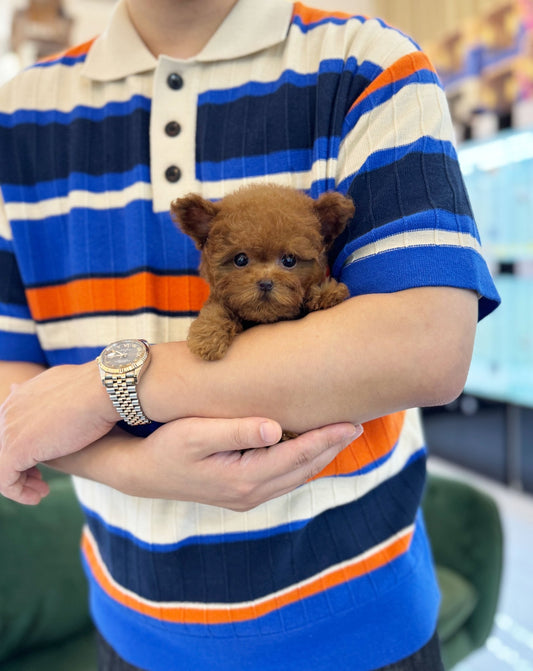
x=334, y=211
x=193, y=214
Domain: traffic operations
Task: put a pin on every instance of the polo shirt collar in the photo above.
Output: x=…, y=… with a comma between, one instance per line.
x=251, y=25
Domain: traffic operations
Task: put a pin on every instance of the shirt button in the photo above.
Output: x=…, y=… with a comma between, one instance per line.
x=172, y=173
x=175, y=81
x=172, y=128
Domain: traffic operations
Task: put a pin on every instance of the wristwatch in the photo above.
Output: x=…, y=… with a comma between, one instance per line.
x=121, y=365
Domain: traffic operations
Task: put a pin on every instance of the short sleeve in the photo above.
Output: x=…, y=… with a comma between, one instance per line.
x=413, y=224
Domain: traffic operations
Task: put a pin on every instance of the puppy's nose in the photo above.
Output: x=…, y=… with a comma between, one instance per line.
x=265, y=285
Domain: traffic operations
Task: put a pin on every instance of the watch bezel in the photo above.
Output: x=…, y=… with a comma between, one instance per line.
x=122, y=370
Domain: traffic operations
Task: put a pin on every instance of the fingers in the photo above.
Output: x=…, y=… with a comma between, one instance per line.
x=29, y=488
x=311, y=452
x=286, y=466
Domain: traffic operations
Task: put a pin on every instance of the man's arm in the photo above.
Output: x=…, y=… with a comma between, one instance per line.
x=365, y=358
x=229, y=463
x=221, y=462
x=16, y=372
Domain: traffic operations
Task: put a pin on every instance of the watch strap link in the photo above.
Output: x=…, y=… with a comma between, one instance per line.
x=122, y=390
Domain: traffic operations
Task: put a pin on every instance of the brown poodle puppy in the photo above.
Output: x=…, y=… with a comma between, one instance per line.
x=264, y=256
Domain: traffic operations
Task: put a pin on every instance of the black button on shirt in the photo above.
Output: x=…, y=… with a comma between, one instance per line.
x=172, y=173
x=172, y=128
x=175, y=81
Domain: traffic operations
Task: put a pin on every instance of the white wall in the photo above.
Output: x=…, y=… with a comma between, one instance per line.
x=90, y=17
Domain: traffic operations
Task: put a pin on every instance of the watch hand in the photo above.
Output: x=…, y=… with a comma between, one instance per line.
x=115, y=353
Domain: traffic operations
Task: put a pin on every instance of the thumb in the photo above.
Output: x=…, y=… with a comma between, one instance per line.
x=251, y=432
x=210, y=436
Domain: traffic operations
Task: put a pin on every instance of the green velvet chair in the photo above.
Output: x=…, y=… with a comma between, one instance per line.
x=44, y=620
x=466, y=536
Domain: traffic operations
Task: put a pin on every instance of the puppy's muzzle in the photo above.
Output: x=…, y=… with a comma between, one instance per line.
x=265, y=285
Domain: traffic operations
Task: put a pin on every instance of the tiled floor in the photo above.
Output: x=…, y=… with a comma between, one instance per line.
x=510, y=647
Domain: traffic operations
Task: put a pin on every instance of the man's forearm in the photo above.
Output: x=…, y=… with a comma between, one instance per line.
x=16, y=372
x=364, y=358
x=105, y=461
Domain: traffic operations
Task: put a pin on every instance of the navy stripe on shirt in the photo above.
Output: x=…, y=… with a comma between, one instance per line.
x=11, y=286
x=220, y=567
x=83, y=146
x=402, y=189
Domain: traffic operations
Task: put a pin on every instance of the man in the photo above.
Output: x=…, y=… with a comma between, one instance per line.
x=327, y=572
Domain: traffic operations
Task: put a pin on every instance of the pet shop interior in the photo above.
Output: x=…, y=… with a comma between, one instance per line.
x=479, y=498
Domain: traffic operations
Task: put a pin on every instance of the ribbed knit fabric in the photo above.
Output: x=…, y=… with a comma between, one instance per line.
x=427, y=658
x=337, y=574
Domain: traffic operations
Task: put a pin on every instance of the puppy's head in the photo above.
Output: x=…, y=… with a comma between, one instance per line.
x=263, y=246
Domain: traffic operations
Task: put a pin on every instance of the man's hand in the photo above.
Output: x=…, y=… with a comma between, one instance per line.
x=56, y=413
x=230, y=463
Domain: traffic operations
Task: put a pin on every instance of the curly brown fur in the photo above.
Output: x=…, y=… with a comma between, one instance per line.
x=264, y=256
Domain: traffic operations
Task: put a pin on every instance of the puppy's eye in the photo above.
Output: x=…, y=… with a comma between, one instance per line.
x=240, y=260
x=288, y=260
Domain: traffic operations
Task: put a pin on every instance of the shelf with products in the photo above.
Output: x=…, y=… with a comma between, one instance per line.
x=499, y=176
x=502, y=365
x=485, y=63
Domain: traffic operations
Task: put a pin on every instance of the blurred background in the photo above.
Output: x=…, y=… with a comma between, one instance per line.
x=483, y=52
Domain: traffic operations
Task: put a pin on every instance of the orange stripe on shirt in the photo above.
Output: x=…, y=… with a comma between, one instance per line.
x=378, y=440
x=74, y=52
x=227, y=613
x=402, y=68
x=167, y=293
x=310, y=15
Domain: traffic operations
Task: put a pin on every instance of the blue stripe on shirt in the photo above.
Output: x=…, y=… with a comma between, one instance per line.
x=45, y=117
x=365, y=70
x=385, y=93
x=399, y=190
x=283, y=638
x=423, y=266
x=77, y=181
x=58, y=245
x=21, y=347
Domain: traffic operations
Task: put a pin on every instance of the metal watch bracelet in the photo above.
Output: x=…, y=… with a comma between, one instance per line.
x=123, y=394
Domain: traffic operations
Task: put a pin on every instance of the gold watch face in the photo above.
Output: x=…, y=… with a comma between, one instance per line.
x=123, y=354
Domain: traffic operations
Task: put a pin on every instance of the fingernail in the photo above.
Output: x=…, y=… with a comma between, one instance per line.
x=357, y=432
x=270, y=432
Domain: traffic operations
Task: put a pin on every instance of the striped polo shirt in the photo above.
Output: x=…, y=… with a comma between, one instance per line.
x=94, y=144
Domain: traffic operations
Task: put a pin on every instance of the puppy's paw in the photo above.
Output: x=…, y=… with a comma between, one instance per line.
x=326, y=295
x=211, y=350
x=211, y=334
x=288, y=435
